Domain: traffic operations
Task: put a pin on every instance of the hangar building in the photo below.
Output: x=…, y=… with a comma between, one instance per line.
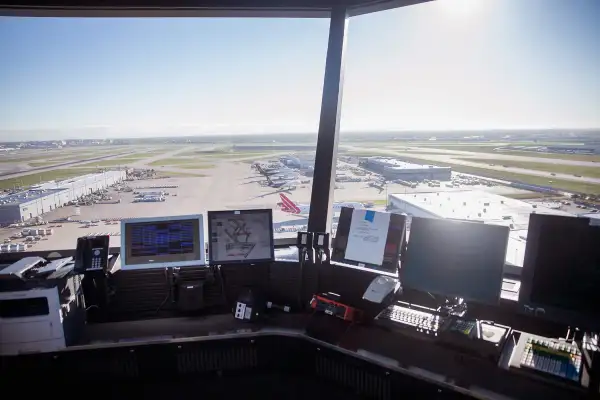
x=392, y=168
x=39, y=199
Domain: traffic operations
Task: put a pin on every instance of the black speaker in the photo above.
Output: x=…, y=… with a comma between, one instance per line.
x=190, y=296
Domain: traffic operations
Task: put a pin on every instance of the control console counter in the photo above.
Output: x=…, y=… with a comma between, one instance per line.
x=410, y=355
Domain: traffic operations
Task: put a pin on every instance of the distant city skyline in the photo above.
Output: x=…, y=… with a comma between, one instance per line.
x=443, y=65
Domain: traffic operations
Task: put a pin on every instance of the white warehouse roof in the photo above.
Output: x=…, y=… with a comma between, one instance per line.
x=472, y=205
x=396, y=164
x=479, y=206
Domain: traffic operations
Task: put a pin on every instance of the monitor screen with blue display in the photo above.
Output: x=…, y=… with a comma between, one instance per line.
x=162, y=242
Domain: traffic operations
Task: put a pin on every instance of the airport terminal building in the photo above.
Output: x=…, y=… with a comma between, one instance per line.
x=300, y=161
x=476, y=206
x=39, y=199
x=392, y=168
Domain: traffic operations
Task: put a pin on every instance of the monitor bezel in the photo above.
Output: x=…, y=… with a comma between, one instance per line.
x=550, y=313
x=500, y=271
x=209, y=214
x=201, y=262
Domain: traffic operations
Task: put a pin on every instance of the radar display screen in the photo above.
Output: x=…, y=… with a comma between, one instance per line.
x=163, y=242
x=240, y=236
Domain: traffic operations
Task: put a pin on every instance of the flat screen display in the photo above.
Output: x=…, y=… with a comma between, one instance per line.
x=455, y=259
x=162, y=242
x=369, y=239
x=238, y=237
x=561, y=272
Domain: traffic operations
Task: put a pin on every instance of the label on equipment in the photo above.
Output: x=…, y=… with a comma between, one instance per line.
x=303, y=239
x=248, y=313
x=320, y=240
x=239, y=310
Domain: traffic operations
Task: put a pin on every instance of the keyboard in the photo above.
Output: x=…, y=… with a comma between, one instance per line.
x=547, y=356
x=398, y=318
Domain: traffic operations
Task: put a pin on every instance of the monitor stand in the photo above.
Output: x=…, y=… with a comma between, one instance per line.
x=454, y=306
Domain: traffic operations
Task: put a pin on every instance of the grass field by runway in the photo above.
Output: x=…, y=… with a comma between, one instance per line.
x=558, y=184
x=41, y=177
x=119, y=161
x=176, y=161
x=489, y=148
x=591, y=172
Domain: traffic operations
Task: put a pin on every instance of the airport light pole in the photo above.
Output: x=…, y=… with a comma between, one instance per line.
x=386, y=195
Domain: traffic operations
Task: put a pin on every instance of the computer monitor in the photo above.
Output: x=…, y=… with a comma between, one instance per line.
x=162, y=242
x=455, y=259
x=369, y=239
x=240, y=237
x=560, y=281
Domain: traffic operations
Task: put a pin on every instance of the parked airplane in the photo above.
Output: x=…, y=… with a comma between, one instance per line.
x=274, y=171
x=149, y=199
x=292, y=207
x=278, y=183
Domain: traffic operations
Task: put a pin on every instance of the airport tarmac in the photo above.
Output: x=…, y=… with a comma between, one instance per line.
x=229, y=185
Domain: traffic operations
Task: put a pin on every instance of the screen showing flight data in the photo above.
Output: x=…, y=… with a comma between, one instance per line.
x=244, y=236
x=164, y=242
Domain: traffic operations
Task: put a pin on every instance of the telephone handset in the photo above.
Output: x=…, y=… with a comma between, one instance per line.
x=92, y=254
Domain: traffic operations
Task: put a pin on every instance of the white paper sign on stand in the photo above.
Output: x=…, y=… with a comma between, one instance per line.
x=368, y=236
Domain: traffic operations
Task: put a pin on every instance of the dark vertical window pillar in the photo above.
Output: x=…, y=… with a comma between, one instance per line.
x=321, y=200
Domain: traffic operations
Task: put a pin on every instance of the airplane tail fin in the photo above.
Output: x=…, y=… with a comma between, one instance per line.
x=288, y=205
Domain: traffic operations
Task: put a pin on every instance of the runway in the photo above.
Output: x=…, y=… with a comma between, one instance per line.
x=432, y=158
x=10, y=175
x=508, y=157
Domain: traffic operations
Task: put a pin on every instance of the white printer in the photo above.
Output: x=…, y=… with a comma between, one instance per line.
x=41, y=306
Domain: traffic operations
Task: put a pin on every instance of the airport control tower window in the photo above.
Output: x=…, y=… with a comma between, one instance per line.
x=104, y=119
x=482, y=110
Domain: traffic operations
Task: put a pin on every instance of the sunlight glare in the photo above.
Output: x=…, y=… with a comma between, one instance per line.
x=460, y=8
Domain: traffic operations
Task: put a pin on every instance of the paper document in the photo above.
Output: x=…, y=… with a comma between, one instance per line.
x=368, y=235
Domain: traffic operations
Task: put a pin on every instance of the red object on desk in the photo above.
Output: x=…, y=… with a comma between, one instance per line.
x=324, y=303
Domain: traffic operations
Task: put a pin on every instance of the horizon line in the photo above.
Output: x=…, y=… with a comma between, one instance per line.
x=224, y=135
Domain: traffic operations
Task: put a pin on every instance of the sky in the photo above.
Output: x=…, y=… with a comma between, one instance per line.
x=448, y=64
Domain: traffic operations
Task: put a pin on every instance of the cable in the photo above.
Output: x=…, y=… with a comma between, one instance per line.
x=169, y=291
x=222, y=284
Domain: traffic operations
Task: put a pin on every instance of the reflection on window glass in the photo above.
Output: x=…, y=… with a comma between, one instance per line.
x=483, y=110
x=103, y=119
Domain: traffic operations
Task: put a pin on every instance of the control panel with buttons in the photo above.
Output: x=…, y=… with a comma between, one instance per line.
x=547, y=356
